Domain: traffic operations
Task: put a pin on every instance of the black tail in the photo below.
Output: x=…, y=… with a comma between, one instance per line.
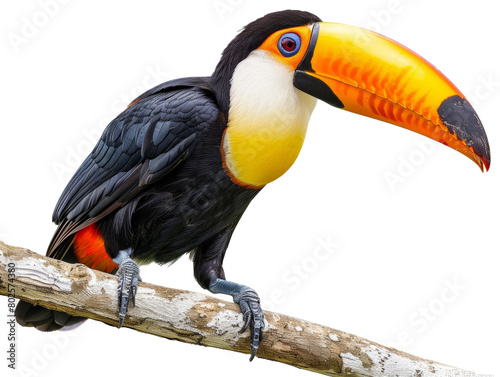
x=43, y=319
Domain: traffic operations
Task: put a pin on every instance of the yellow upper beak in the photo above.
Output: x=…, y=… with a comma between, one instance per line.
x=369, y=74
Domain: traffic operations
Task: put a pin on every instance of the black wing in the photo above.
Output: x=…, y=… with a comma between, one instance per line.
x=143, y=144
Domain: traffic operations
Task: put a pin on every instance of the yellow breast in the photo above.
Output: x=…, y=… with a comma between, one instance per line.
x=267, y=121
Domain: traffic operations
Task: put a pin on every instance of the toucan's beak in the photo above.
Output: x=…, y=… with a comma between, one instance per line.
x=369, y=74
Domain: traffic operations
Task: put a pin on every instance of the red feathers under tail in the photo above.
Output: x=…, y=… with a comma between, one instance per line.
x=88, y=247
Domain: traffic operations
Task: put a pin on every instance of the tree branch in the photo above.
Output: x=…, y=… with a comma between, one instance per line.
x=195, y=318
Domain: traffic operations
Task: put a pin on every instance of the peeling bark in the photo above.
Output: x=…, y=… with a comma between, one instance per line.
x=198, y=319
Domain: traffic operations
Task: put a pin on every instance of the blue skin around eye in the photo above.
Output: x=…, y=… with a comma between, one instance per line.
x=297, y=41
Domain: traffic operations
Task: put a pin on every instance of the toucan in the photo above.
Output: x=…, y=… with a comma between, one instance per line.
x=174, y=172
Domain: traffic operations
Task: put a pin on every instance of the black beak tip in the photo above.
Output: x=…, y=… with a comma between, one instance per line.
x=461, y=119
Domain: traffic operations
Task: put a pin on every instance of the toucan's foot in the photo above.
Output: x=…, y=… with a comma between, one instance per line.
x=128, y=280
x=252, y=315
x=249, y=303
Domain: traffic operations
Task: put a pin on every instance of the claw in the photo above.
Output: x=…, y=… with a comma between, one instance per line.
x=247, y=318
x=249, y=303
x=252, y=315
x=128, y=280
x=247, y=314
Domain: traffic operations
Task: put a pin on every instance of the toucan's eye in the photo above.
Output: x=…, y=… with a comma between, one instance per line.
x=289, y=44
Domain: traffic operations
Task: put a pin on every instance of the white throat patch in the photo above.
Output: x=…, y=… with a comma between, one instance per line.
x=267, y=122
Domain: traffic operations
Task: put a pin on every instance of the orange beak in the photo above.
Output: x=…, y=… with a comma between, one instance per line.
x=366, y=73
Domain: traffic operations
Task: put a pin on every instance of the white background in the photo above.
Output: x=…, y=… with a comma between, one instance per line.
x=400, y=247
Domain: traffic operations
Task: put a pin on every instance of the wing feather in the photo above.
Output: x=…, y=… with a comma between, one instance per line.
x=142, y=145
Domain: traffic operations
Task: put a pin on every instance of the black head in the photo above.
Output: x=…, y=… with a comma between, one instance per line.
x=250, y=38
